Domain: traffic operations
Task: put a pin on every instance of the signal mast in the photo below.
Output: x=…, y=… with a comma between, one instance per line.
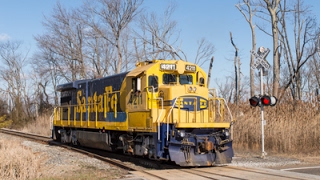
x=262, y=99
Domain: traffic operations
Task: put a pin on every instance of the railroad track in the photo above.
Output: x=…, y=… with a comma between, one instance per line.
x=225, y=173
x=154, y=172
x=90, y=152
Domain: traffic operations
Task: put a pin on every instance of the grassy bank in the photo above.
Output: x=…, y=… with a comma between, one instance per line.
x=290, y=128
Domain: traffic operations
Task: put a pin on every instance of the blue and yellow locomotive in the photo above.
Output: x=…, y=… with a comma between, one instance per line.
x=160, y=110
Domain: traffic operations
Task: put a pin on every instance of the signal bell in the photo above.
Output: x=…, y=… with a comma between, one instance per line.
x=264, y=100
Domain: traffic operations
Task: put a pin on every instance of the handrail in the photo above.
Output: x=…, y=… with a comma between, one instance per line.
x=158, y=119
x=195, y=106
x=222, y=99
x=152, y=99
x=170, y=114
x=73, y=107
x=179, y=108
x=55, y=115
x=68, y=115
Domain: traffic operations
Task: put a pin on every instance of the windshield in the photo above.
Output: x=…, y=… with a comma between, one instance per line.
x=169, y=78
x=185, y=79
x=172, y=78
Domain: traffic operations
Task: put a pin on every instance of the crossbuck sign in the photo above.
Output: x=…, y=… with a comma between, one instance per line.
x=261, y=61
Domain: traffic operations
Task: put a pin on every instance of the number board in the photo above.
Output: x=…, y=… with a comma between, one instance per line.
x=169, y=67
x=191, y=68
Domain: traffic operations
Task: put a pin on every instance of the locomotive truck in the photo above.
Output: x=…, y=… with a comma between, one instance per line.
x=161, y=110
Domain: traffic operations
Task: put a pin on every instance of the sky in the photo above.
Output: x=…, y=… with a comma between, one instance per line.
x=210, y=19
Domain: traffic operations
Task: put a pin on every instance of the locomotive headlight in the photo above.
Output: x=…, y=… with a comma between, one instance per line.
x=194, y=89
x=181, y=133
x=190, y=89
x=226, y=133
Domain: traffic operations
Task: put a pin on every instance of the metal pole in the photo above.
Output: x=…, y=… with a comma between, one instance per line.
x=262, y=114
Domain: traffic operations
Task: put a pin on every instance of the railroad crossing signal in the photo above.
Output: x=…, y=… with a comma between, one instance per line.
x=261, y=58
x=264, y=100
x=262, y=65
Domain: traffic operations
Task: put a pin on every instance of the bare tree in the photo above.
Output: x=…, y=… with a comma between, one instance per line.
x=226, y=89
x=204, y=52
x=313, y=76
x=159, y=37
x=248, y=13
x=49, y=72
x=63, y=44
x=236, y=71
x=100, y=53
x=156, y=36
x=15, y=81
x=272, y=6
x=115, y=17
x=304, y=45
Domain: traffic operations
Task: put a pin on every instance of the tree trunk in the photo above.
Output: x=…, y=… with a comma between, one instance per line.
x=272, y=8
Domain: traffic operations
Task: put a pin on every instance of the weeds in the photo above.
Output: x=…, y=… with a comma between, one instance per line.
x=290, y=128
x=17, y=162
x=42, y=125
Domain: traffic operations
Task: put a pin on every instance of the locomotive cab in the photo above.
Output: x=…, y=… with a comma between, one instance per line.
x=175, y=103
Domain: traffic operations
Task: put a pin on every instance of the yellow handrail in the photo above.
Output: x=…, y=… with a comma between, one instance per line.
x=68, y=115
x=195, y=109
x=179, y=109
x=96, y=109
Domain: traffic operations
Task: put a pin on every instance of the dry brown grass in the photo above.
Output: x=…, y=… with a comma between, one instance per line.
x=42, y=125
x=291, y=128
x=17, y=162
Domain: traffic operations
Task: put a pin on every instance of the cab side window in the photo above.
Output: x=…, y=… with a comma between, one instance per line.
x=201, y=81
x=153, y=81
x=134, y=84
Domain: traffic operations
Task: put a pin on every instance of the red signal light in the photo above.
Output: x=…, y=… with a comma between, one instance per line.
x=254, y=101
x=265, y=100
x=268, y=100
